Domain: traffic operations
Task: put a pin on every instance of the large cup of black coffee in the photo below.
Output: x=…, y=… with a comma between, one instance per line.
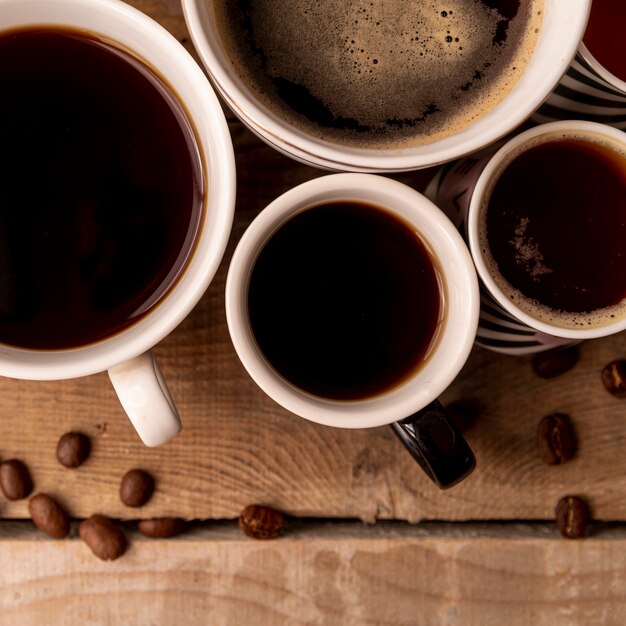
x=116, y=196
x=352, y=301
x=385, y=85
x=546, y=227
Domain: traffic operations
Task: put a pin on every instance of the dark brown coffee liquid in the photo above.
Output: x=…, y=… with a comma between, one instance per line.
x=345, y=301
x=605, y=35
x=556, y=226
x=101, y=189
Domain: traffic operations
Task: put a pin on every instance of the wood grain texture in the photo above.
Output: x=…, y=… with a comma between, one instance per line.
x=239, y=447
x=320, y=575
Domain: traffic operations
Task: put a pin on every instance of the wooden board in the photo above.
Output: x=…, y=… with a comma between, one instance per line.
x=322, y=575
x=238, y=447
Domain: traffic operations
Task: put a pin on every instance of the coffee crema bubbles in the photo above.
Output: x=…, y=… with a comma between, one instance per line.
x=380, y=74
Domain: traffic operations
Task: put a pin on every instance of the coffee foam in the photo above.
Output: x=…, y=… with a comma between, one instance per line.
x=533, y=308
x=391, y=73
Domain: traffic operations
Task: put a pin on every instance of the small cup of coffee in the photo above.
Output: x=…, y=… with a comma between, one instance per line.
x=546, y=224
x=116, y=196
x=352, y=301
x=594, y=87
x=384, y=86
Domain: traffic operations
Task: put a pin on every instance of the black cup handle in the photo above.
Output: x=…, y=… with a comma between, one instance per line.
x=437, y=445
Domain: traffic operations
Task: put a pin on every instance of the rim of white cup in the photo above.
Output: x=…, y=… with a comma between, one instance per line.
x=600, y=70
x=461, y=292
x=120, y=23
x=566, y=127
x=566, y=18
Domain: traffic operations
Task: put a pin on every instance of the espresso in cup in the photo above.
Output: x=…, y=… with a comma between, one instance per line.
x=552, y=229
x=379, y=74
x=346, y=300
x=101, y=188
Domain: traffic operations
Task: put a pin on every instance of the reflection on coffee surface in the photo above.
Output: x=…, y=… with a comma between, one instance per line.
x=554, y=232
x=382, y=73
x=346, y=301
x=101, y=189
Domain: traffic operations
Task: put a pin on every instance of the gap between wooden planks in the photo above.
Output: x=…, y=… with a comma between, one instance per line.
x=320, y=574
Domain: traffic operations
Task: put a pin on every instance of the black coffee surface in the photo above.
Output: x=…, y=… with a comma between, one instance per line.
x=556, y=228
x=379, y=73
x=345, y=301
x=101, y=189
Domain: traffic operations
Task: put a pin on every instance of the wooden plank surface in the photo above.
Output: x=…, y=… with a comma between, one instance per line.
x=239, y=447
x=321, y=575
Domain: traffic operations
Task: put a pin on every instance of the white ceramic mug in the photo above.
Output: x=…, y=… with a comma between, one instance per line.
x=461, y=190
x=562, y=28
x=423, y=431
x=126, y=355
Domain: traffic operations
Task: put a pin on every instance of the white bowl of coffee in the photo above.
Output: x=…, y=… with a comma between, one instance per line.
x=117, y=183
x=384, y=86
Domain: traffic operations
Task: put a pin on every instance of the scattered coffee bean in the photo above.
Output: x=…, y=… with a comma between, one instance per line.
x=572, y=514
x=15, y=480
x=73, y=449
x=161, y=527
x=556, y=439
x=261, y=522
x=554, y=363
x=136, y=488
x=104, y=538
x=463, y=413
x=614, y=378
x=48, y=515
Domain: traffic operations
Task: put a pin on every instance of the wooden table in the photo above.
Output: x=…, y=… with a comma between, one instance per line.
x=484, y=552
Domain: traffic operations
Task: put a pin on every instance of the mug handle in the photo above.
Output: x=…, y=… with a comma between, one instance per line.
x=142, y=391
x=437, y=445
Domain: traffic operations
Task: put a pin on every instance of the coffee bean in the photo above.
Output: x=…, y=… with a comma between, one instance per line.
x=261, y=522
x=104, y=538
x=572, y=514
x=614, y=378
x=15, y=480
x=136, y=488
x=161, y=527
x=48, y=515
x=554, y=363
x=73, y=449
x=556, y=439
